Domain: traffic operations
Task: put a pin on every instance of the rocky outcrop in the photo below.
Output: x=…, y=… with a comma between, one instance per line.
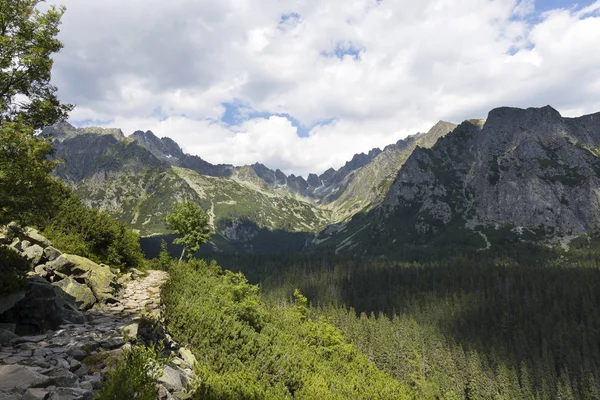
x=59, y=287
x=527, y=168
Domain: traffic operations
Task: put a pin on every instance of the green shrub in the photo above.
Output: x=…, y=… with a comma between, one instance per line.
x=13, y=270
x=133, y=376
x=247, y=349
x=94, y=234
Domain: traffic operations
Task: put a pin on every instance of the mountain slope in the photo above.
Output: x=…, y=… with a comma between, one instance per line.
x=531, y=171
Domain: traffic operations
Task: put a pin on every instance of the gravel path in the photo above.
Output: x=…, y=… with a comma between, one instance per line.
x=66, y=364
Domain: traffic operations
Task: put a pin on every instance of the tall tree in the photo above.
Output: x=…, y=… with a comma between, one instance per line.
x=190, y=222
x=27, y=103
x=27, y=42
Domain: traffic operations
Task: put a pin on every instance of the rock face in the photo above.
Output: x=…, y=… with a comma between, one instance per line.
x=530, y=168
x=61, y=287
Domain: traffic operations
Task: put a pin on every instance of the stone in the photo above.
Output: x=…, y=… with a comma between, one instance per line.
x=24, y=245
x=113, y=343
x=41, y=270
x=187, y=356
x=71, y=394
x=131, y=330
x=163, y=393
x=35, y=394
x=9, y=301
x=51, y=253
x=6, y=337
x=6, y=235
x=63, y=378
x=34, y=254
x=78, y=353
x=74, y=364
x=82, y=371
x=87, y=385
x=171, y=378
x=82, y=294
x=35, y=237
x=19, y=377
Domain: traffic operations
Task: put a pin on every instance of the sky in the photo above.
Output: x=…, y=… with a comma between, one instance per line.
x=302, y=85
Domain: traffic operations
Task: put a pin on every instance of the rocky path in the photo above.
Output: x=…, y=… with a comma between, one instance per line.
x=67, y=364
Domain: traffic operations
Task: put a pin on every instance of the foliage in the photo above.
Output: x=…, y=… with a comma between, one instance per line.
x=28, y=194
x=27, y=41
x=90, y=233
x=190, y=222
x=478, y=326
x=13, y=270
x=133, y=376
x=247, y=349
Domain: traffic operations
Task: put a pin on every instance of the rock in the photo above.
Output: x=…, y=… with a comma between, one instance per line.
x=113, y=343
x=82, y=371
x=6, y=337
x=34, y=237
x=51, y=253
x=6, y=235
x=35, y=394
x=187, y=356
x=40, y=310
x=9, y=301
x=33, y=253
x=29, y=339
x=163, y=393
x=41, y=270
x=71, y=394
x=24, y=245
x=101, y=281
x=136, y=273
x=131, y=331
x=78, y=353
x=171, y=379
x=8, y=327
x=19, y=377
x=63, y=378
x=82, y=294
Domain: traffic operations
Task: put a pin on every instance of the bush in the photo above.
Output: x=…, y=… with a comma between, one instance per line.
x=133, y=376
x=247, y=349
x=13, y=270
x=94, y=234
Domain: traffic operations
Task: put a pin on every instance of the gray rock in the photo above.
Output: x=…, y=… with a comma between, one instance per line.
x=82, y=294
x=6, y=337
x=78, y=353
x=113, y=343
x=71, y=394
x=171, y=378
x=35, y=237
x=51, y=253
x=9, y=301
x=24, y=245
x=35, y=394
x=19, y=377
x=131, y=330
x=34, y=254
x=187, y=356
x=63, y=378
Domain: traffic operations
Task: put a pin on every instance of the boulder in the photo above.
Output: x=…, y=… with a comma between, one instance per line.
x=33, y=253
x=42, y=309
x=82, y=294
x=187, y=356
x=20, y=377
x=99, y=278
x=34, y=236
x=35, y=394
x=51, y=253
x=9, y=301
x=6, y=337
x=23, y=245
x=103, y=283
x=6, y=235
x=71, y=394
x=171, y=379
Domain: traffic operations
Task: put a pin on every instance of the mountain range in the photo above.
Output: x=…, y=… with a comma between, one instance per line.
x=527, y=173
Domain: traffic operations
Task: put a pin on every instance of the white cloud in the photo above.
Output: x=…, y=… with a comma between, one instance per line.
x=170, y=66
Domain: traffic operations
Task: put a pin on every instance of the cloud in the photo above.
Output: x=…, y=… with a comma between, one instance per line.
x=353, y=74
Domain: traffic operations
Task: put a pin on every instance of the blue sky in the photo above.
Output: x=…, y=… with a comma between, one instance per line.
x=302, y=85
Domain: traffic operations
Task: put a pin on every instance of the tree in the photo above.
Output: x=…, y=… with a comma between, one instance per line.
x=28, y=193
x=27, y=103
x=27, y=41
x=190, y=222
